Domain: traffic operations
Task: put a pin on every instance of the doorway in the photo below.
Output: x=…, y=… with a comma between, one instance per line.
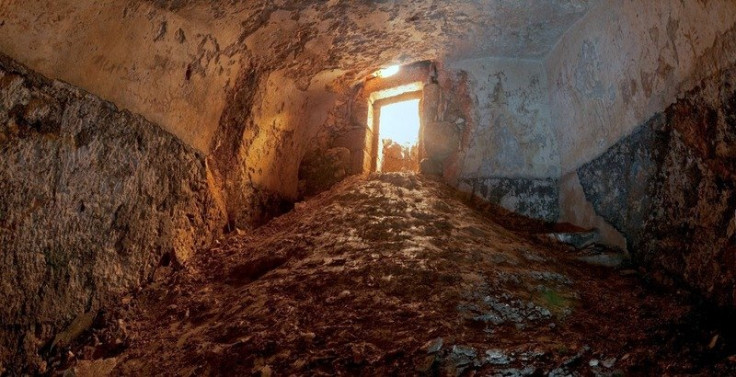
x=394, y=113
x=398, y=136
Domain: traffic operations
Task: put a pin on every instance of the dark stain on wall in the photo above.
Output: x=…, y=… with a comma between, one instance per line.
x=670, y=187
x=533, y=197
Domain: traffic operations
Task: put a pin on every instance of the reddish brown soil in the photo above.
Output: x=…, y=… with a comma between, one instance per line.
x=367, y=278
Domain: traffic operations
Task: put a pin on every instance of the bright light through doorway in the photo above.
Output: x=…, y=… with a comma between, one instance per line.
x=400, y=122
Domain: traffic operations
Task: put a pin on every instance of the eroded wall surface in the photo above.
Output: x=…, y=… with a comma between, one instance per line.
x=269, y=127
x=173, y=61
x=626, y=61
x=211, y=72
x=616, y=68
x=510, y=154
x=174, y=69
x=92, y=200
x=670, y=187
x=642, y=100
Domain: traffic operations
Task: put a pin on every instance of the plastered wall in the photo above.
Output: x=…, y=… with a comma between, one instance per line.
x=512, y=135
x=509, y=154
x=625, y=61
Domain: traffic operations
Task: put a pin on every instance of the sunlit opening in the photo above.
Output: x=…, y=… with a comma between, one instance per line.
x=398, y=133
x=388, y=71
x=400, y=122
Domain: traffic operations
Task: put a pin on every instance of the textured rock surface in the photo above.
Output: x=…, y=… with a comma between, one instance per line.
x=394, y=276
x=91, y=201
x=259, y=83
x=196, y=49
x=255, y=82
x=625, y=175
x=671, y=189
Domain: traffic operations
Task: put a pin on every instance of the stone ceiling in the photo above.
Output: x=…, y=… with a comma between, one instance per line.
x=344, y=34
x=176, y=61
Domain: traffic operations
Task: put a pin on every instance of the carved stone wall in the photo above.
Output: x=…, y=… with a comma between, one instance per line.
x=92, y=200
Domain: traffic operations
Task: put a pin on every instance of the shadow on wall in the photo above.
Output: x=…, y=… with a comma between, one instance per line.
x=274, y=132
x=535, y=198
x=246, y=203
x=321, y=170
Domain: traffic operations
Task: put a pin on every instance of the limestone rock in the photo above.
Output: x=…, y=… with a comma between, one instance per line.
x=578, y=240
x=397, y=157
x=671, y=192
x=91, y=199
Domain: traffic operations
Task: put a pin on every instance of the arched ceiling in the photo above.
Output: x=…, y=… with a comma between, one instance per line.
x=344, y=34
x=175, y=61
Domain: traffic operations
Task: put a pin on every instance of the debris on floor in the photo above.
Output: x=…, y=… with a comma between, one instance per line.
x=394, y=275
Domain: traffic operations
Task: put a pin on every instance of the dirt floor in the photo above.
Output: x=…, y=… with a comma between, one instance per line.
x=395, y=275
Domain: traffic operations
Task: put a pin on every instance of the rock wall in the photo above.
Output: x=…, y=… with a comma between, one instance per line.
x=270, y=125
x=191, y=66
x=611, y=72
x=512, y=136
x=195, y=50
x=670, y=187
x=92, y=200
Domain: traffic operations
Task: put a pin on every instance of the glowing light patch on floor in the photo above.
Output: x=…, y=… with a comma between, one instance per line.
x=400, y=122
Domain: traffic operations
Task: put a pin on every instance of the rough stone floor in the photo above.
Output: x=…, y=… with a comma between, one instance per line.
x=395, y=275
